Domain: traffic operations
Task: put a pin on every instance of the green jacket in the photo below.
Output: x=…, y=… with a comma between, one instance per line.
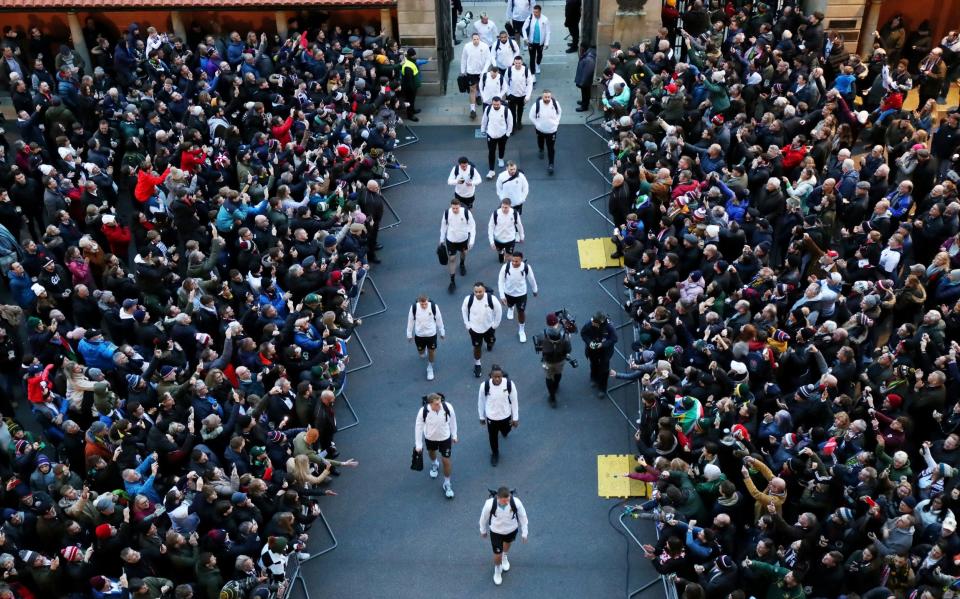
x=718, y=96
x=209, y=581
x=778, y=589
x=692, y=507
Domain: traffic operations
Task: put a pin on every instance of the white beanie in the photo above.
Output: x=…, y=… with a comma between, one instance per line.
x=37, y=289
x=711, y=472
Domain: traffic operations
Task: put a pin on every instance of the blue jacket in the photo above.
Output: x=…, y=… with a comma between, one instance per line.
x=97, y=354
x=20, y=287
x=144, y=486
x=235, y=53
x=310, y=340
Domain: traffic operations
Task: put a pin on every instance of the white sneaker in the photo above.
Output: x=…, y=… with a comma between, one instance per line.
x=448, y=490
x=303, y=556
x=434, y=470
x=500, y=163
x=491, y=174
x=429, y=372
x=504, y=563
x=523, y=337
x=509, y=313
x=497, y=577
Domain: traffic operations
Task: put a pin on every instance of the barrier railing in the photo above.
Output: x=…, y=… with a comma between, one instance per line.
x=669, y=586
x=409, y=139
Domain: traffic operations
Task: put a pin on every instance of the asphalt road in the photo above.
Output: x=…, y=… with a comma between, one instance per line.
x=398, y=536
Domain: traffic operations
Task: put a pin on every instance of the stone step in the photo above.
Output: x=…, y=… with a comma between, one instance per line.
x=430, y=88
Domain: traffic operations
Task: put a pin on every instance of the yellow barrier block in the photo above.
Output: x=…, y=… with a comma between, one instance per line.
x=609, y=486
x=608, y=249
x=595, y=253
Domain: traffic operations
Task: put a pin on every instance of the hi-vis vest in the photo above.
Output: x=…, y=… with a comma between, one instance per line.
x=409, y=64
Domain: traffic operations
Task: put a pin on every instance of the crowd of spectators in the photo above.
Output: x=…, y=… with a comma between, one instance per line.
x=791, y=235
x=184, y=225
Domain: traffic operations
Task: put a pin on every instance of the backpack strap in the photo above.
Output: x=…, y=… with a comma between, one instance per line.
x=536, y=112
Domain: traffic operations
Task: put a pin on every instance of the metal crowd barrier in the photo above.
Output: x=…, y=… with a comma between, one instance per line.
x=396, y=183
x=668, y=582
x=669, y=586
x=409, y=139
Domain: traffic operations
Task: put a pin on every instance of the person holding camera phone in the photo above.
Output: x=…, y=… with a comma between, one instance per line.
x=554, y=347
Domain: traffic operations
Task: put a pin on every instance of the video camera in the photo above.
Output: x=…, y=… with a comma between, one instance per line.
x=568, y=325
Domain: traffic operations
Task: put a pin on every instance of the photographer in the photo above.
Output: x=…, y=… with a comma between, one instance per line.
x=600, y=338
x=554, y=347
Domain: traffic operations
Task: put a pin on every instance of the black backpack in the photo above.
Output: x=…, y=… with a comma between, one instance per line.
x=536, y=111
x=472, y=169
x=443, y=402
x=506, y=118
x=489, y=300
x=493, y=506
x=433, y=308
x=526, y=74
x=486, y=388
x=516, y=227
x=446, y=214
x=524, y=271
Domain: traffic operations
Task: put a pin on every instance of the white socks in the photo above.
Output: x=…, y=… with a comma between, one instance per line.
x=473, y=107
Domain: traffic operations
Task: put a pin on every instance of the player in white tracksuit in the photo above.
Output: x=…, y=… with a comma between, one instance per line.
x=503, y=516
x=424, y=323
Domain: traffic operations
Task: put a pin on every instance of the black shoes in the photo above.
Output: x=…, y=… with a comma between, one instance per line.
x=494, y=459
x=452, y=286
x=581, y=108
x=473, y=114
x=571, y=49
x=540, y=154
x=552, y=400
x=489, y=347
x=549, y=169
x=616, y=255
x=463, y=269
x=413, y=118
x=477, y=370
x=519, y=126
x=601, y=394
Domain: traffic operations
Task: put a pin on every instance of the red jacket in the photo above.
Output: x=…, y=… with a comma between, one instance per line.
x=118, y=237
x=281, y=133
x=192, y=159
x=793, y=157
x=147, y=184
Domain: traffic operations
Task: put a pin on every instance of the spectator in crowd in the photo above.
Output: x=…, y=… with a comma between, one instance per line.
x=796, y=335
x=186, y=304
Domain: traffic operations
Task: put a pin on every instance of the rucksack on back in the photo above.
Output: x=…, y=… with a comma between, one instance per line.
x=486, y=389
x=426, y=407
x=493, y=506
x=489, y=293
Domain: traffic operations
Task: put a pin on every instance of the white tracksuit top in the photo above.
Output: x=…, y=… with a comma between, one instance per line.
x=505, y=227
x=474, y=59
x=548, y=119
x=516, y=188
x=497, y=405
x=497, y=123
x=422, y=323
x=436, y=427
x=464, y=185
x=458, y=227
x=503, y=521
x=481, y=317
